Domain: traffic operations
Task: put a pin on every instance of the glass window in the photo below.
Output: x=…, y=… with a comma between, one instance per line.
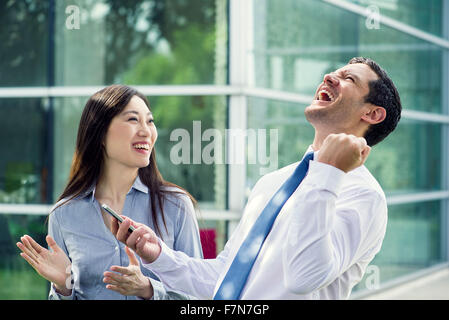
x=412, y=242
x=140, y=42
x=25, y=157
x=294, y=50
x=410, y=159
x=137, y=42
x=424, y=15
x=282, y=135
x=67, y=114
x=191, y=137
x=18, y=280
x=24, y=37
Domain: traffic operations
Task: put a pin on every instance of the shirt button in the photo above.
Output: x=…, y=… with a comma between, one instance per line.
x=116, y=248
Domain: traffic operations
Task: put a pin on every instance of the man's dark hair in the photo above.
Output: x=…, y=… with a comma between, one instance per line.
x=382, y=93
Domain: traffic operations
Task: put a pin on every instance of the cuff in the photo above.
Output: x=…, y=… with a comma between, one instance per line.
x=159, y=292
x=54, y=295
x=324, y=176
x=163, y=262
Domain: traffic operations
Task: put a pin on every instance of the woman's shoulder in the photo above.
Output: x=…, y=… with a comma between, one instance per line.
x=176, y=196
x=66, y=206
x=177, y=203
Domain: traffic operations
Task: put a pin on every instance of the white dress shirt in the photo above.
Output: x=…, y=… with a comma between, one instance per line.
x=319, y=247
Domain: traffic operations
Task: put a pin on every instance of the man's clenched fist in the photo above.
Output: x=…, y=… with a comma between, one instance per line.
x=343, y=151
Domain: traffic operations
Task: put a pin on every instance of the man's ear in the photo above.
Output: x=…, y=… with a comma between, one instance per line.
x=374, y=115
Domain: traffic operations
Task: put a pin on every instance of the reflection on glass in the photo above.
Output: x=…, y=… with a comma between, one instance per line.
x=67, y=115
x=424, y=15
x=204, y=179
x=294, y=134
x=24, y=161
x=24, y=37
x=412, y=242
x=137, y=42
x=141, y=42
x=410, y=159
x=18, y=280
x=294, y=49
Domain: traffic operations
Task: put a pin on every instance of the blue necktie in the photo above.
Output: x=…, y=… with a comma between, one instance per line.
x=235, y=279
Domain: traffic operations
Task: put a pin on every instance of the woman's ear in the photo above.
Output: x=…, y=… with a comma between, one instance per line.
x=375, y=115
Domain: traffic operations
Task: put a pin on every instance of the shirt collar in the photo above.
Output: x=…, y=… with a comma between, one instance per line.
x=310, y=149
x=138, y=185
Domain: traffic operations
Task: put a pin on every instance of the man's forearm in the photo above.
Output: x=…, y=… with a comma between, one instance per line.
x=181, y=273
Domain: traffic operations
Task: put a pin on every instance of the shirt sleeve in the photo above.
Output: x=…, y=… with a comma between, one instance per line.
x=54, y=231
x=187, y=245
x=161, y=293
x=326, y=237
x=187, y=275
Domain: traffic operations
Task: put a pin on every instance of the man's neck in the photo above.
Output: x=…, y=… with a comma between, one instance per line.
x=321, y=135
x=319, y=139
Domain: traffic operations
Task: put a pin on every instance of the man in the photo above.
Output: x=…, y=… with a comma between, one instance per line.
x=331, y=226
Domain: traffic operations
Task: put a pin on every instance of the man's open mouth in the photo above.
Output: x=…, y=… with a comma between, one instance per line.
x=325, y=95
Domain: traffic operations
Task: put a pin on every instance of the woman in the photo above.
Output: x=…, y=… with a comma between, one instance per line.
x=115, y=164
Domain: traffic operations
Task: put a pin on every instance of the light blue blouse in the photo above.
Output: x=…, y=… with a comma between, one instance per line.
x=78, y=228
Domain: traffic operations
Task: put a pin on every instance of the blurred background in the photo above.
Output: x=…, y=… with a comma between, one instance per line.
x=231, y=64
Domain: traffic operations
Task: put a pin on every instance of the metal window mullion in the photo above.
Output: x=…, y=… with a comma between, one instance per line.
x=239, y=16
x=42, y=209
x=236, y=90
x=284, y=96
x=152, y=90
x=445, y=135
x=418, y=197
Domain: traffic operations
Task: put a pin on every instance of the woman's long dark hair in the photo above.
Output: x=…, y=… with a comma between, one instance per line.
x=88, y=158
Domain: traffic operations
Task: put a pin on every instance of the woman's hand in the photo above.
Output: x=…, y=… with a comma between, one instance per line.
x=130, y=280
x=53, y=265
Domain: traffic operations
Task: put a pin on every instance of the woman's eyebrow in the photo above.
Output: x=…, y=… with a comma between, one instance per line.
x=137, y=113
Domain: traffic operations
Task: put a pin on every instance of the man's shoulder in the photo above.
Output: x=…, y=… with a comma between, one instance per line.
x=359, y=179
x=362, y=179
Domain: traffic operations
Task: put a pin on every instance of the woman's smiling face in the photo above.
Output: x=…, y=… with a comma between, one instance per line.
x=131, y=136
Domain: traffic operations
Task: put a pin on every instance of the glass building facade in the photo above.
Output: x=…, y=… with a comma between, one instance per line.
x=226, y=65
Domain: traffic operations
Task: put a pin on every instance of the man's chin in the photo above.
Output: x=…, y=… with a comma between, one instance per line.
x=314, y=107
x=316, y=112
